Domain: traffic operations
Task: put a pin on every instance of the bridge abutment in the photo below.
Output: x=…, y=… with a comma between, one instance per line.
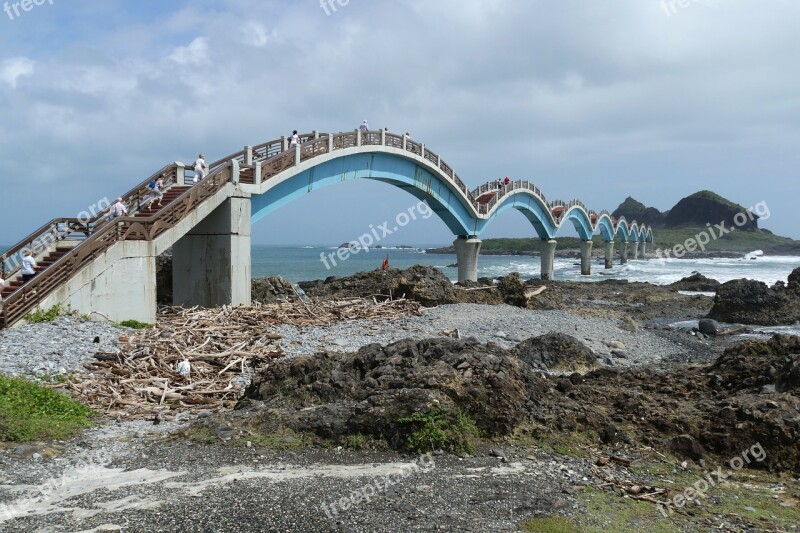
x=609, y=254
x=547, y=254
x=211, y=263
x=467, y=250
x=623, y=252
x=586, y=258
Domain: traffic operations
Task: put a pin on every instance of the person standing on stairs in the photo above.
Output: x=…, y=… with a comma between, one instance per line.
x=155, y=190
x=200, y=168
x=2, y=288
x=28, y=270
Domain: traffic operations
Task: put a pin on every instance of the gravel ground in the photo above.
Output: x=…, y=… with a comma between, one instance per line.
x=502, y=324
x=52, y=348
x=128, y=477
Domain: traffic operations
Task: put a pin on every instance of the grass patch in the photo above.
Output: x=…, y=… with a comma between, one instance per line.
x=40, y=316
x=567, y=444
x=30, y=412
x=748, y=497
x=359, y=441
x=440, y=429
x=550, y=524
x=135, y=324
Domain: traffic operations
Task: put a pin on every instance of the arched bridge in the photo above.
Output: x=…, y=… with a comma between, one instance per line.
x=96, y=264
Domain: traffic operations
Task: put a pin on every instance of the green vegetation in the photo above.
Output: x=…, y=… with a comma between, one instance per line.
x=714, y=197
x=135, y=324
x=735, y=241
x=41, y=315
x=437, y=428
x=550, y=524
x=32, y=412
x=358, y=441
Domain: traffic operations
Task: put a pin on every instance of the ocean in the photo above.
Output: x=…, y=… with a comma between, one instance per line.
x=301, y=263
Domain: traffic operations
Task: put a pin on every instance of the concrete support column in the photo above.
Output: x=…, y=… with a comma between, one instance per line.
x=635, y=250
x=623, y=252
x=547, y=253
x=180, y=173
x=211, y=263
x=609, y=254
x=642, y=248
x=586, y=258
x=467, y=249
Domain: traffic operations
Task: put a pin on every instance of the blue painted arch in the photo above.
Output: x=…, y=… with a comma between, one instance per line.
x=531, y=206
x=386, y=167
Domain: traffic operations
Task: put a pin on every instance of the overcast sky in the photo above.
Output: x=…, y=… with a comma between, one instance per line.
x=591, y=99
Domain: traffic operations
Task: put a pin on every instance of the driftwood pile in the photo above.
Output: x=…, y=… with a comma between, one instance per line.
x=223, y=346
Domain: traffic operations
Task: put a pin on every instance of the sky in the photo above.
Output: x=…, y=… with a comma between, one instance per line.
x=596, y=100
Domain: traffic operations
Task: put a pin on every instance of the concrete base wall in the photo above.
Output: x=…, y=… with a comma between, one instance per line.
x=120, y=284
x=211, y=263
x=586, y=258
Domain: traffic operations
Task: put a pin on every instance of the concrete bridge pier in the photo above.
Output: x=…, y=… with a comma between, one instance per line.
x=547, y=254
x=635, y=250
x=586, y=258
x=623, y=252
x=467, y=249
x=211, y=263
x=642, y=248
x=609, y=254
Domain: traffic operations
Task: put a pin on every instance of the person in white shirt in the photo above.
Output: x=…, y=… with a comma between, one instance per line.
x=200, y=168
x=364, y=127
x=295, y=139
x=28, y=266
x=118, y=209
x=2, y=286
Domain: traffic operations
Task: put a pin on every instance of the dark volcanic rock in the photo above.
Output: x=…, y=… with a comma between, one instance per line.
x=753, y=302
x=273, y=289
x=695, y=282
x=370, y=391
x=707, y=326
x=693, y=411
x=423, y=284
x=556, y=351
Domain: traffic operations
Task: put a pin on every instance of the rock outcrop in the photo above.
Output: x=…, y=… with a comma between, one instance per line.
x=747, y=399
x=706, y=207
x=635, y=210
x=747, y=301
x=696, y=282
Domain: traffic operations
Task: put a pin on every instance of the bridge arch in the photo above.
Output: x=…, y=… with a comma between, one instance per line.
x=532, y=206
x=421, y=182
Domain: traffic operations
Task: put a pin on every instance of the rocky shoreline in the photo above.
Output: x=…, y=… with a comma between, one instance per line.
x=571, y=409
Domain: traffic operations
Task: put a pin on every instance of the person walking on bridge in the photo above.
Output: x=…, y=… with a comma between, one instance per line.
x=200, y=168
x=118, y=209
x=295, y=139
x=364, y=127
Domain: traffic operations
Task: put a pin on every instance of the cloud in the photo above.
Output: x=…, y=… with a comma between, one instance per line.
x=255, y=34
x=15, y=68
x=193, y=54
